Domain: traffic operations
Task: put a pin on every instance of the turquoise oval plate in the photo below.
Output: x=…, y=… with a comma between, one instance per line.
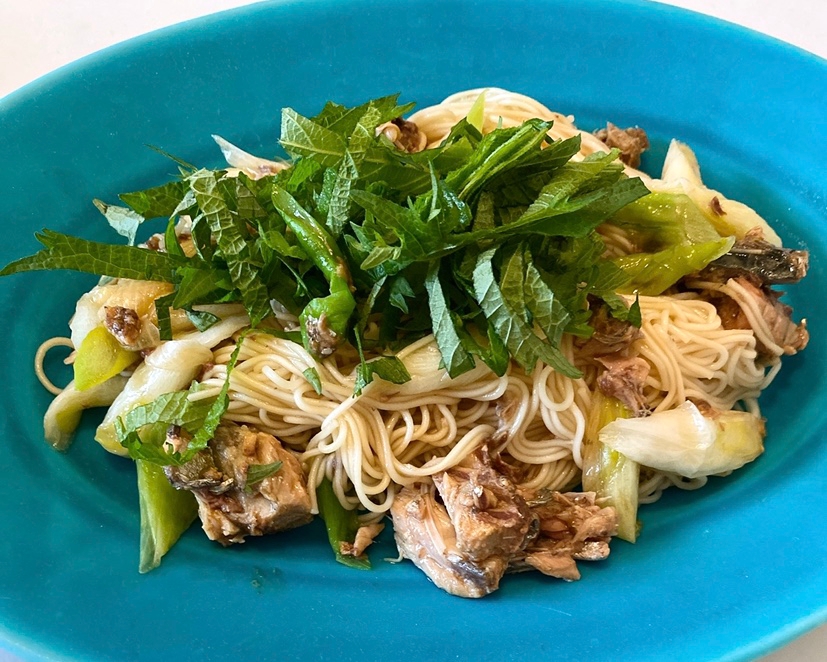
x=729, y=572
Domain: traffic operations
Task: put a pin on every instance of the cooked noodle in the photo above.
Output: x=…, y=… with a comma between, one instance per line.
x=395, y=435
x=693, y=357
x=40, y=357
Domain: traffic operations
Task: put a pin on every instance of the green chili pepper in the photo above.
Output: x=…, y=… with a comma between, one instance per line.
x=325, y=320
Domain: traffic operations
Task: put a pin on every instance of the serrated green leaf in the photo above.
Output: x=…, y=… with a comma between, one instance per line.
x=171, y=245
x=201, y=286
x=495, y=355
x=162, y=311
x=455, y=358
x=523, y=344
x=547, y=311
x=201, y=319
x=621, y=310
x=199, y=418
x=347, y=172
x=158, y=201
x=400, y=290
x=232, y=239
x=389, y=368
x=342, y=120
x=304, y=137
x=65, y=252
x=339, y=200
x=169, y=409
x=497, y=152
x=512, y=281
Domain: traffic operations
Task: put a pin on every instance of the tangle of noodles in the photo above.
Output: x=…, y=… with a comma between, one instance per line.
x=396, y=435
x=693, y=357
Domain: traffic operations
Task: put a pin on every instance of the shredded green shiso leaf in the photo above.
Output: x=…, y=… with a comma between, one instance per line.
x=488, y=242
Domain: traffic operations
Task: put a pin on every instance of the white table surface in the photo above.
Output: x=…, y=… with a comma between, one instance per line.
x=37, y=36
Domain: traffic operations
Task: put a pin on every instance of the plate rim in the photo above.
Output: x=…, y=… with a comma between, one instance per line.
x=23, y=645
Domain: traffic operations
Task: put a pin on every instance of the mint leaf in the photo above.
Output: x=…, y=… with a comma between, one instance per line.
x=495, y=355
x=163, y=307
x=213, y=417
x=169, y=409
x=347, y=173
x=497, y=152
x=621, y=311
x=171, y=240
x=548, y=313
x=400, y=290
x=343, y=120
x=512, y=280
x=337, y=211
x=232, y=239
x=142, y=431
x=200, y=285
x=201, y=319
x=303, y=137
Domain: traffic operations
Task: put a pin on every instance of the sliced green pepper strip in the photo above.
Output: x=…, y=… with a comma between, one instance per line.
x=341, y=525
x=325, y=320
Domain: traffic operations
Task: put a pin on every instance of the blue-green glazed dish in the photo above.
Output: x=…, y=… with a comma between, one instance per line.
x=727, y=573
